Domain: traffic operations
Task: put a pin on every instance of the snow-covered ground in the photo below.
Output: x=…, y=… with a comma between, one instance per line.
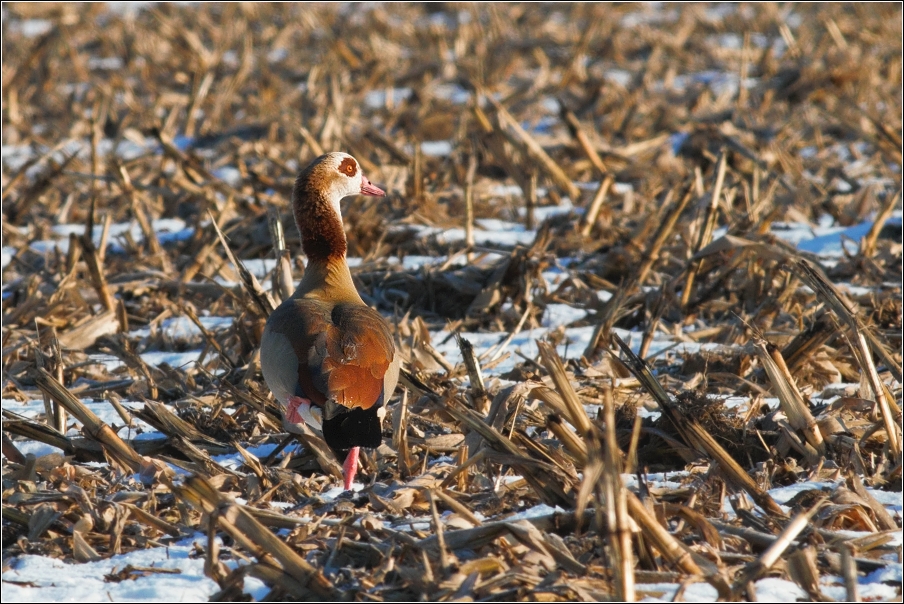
x=174, y=573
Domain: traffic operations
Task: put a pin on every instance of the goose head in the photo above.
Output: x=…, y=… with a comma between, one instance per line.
x=316, y=196
x=334, y=176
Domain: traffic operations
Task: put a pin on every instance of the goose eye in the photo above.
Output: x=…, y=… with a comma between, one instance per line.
x=348, y=167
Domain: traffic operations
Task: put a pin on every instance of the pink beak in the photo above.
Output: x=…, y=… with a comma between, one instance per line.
x=369, y=188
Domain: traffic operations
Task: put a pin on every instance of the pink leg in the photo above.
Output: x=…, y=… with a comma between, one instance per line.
x=293, y=415
x=350, y=467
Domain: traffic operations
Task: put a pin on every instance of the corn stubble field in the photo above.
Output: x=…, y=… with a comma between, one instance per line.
x=649, y=156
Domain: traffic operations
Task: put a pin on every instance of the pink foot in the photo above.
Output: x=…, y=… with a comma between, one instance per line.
x=294, y=408
x=350, y=467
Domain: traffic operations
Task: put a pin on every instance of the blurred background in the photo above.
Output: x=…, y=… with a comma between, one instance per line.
x=804, y=95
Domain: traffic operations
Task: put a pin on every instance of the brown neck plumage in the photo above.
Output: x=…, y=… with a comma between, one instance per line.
x=322, y=234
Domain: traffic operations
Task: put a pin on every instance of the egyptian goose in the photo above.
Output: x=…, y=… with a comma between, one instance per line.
x=325, y=355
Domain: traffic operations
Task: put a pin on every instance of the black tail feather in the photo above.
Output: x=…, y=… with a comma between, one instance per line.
x=346, y=428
